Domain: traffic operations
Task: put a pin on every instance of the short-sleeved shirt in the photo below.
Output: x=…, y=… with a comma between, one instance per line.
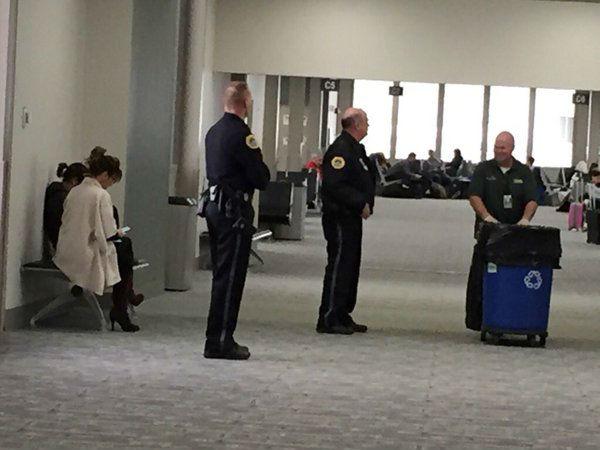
x=492, y=185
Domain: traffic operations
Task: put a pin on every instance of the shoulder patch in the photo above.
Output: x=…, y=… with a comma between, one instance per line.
x=338, y=162
x=251, y=142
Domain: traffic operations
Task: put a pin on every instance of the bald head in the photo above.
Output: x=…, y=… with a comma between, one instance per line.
x=355, y=122
x=237, y=98
x=503, y=148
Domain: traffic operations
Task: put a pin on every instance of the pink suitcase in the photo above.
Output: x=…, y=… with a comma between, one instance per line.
x=575, y=221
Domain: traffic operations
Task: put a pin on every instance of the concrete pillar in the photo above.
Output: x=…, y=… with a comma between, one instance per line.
x=345, y=100
x=187, y=124
x=297, y=95
x=394, y=134
x=269, y=131
x=532, y=96
x=485, y=122
x=154, y=57
x=440, y=119
x=580, y=133
x=324, y=121
x=594, y=130
x=313, y=116
x=283, y=124
x=8, y=31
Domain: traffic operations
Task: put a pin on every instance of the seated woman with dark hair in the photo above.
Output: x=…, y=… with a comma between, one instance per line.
x=86, y=251
x=56, y=193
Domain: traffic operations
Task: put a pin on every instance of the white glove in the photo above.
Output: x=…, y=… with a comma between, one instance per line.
x=490, y=219
x=523, y=222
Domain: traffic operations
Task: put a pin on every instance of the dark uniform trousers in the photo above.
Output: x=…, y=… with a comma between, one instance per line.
x=474, y=304
x=230, y=252
x=340, y=285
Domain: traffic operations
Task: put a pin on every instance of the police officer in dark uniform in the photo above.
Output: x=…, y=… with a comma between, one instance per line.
x=234, y=169
x=348, y=196
x=502, y=191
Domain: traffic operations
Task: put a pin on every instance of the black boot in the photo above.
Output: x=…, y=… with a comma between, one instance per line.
x=122, y=318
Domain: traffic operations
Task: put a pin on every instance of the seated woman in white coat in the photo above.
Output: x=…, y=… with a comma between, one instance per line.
x=85, y=252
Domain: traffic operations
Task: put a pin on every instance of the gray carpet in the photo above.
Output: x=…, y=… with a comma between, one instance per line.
x=417, y=379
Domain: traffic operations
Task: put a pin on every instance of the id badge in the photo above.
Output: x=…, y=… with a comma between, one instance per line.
x=508, y=204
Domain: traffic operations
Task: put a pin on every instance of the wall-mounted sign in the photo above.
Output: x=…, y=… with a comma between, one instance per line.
x=581, y=98
x=328, y=84
x=396, y=91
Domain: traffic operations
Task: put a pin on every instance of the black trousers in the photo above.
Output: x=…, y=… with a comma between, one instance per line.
x=474, y=304
x=230, y=251
x=340, y=285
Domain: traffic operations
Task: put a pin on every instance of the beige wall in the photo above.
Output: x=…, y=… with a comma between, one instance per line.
x=497, y=42
x=106, y=87
x=72, y=73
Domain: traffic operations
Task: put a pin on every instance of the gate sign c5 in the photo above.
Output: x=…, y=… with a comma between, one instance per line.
x=329, y=84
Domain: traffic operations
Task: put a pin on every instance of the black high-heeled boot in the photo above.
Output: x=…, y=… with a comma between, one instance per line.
x=122, y=318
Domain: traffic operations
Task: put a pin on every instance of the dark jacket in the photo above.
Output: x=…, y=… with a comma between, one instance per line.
x=233, y=158
x=54, y=199
x=349, y=177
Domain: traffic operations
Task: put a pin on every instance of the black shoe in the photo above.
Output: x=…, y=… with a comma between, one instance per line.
x=359, y=328
x=356, y=327
x=320, y=326
x=235, y=352
x=335, y=329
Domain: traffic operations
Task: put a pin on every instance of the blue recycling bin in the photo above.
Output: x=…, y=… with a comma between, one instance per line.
x=517, y=280
x=516, y=300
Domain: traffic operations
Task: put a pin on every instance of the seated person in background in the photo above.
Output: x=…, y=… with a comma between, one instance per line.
x=409, y=171
x=540, y=187
x=314, y=163
x=86, y=253
x=55, y=196
x=594, y=188
x=435, y=163
x=453, y=166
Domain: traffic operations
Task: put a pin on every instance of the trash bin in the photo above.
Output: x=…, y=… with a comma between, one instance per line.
x=517, y=280
x=180, y=243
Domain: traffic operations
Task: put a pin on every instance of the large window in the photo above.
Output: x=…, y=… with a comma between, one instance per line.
x=463, y=115
x=373, y=97
x=509, y=111
x=417, y=119
x=553, y=128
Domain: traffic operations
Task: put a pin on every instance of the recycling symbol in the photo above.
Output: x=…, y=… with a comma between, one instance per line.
x=533, y=280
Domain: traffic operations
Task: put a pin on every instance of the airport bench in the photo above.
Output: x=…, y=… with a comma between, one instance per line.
x=47, y=268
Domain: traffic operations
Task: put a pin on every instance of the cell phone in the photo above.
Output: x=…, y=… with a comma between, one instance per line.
x=125, y=229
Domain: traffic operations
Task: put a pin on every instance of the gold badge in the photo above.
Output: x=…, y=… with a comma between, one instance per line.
x=338, y=163
x=251, y=142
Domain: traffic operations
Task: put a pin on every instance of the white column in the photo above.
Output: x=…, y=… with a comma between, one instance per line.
x=297, y=95
x=345, y=100
x=532, y=96
x=440, y=120
x=394, y=133
x=485, y=122
x=313, y=115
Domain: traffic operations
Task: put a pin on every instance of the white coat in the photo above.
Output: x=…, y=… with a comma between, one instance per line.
x=83, y=253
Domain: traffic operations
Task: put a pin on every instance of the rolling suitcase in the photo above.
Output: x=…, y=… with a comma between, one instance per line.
x=575, y=218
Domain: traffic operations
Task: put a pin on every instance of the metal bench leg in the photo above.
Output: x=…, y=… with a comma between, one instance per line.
x=256, y=255
x=95, y=305
x=51, y=307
